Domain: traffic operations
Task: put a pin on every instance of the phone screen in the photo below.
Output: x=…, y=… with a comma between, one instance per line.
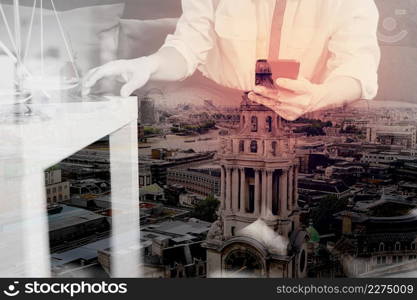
x=285, y=69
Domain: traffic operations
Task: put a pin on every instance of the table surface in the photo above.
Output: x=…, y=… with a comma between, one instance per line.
x=32, y=144
x=58, y=130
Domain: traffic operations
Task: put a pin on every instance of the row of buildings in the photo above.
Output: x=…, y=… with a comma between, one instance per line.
x=290, y=205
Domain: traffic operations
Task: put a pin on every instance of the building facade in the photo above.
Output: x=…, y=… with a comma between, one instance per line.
x=386, y=157
x=203, y=182
x=405, y=136
x=258, y=232
x=56, y=190
x=378, y=239
x=145, y=176
x=147, y=111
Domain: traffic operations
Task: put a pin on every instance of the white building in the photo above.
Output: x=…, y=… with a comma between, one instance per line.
x=56, y=190
x=405, y=136
x=386, y=157
x=258, y=232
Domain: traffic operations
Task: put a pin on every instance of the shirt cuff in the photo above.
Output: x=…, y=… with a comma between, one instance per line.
x=368, y=80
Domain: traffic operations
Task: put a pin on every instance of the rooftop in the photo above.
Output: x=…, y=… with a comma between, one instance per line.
x=193, y=226
x=153, y=189
x=70, y=216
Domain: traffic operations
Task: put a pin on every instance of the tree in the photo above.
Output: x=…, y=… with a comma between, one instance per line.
x=351, y=129
x=311, y=130
x=206, y=209
x=151, y=130
x=323, y=214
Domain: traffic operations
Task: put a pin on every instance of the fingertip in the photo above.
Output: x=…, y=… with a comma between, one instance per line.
x=258, y=89
x=255, y=88
x=89, y=81
x=281, y=81
x=125, y=92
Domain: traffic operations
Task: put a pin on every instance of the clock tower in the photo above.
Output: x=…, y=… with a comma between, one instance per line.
x=258, y=232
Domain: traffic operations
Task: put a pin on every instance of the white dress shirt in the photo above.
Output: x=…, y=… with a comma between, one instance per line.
x=330, y=38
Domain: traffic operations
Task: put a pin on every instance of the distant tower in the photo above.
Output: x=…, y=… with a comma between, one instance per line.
x=258, y=188
x=147, y=113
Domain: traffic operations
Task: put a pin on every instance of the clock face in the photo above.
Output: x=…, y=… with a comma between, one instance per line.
x=243, y=263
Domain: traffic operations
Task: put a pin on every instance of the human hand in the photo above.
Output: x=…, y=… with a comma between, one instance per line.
x=134, y=73
x=298, y=97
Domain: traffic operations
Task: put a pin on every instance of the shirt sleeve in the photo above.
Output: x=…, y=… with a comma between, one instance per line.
x=194, y=35
x=354, y=45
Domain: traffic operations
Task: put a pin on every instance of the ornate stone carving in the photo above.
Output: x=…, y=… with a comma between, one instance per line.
x=215, y=234
x=229, y=148
x=223, y=146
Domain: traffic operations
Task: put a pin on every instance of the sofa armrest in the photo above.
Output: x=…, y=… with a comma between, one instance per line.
x=143, y=37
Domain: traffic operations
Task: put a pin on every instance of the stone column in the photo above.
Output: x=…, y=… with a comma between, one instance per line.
x=269, y=191
x=295, y=187
x=235, y=190
x=264, y=195
x=283, y=194
x=242, y=190
x=290, y=188
x=222, y=189
x=257, y=193
x=228, y=188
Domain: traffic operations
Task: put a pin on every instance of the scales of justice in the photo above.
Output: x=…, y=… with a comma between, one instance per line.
x=35, y=83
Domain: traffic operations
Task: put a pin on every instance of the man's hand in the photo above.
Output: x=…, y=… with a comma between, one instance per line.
x=134, y=73
x=298, y=97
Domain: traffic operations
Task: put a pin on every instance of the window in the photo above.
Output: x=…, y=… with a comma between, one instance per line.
x=74, y=190
x=201, y=270
x=233, y=229
x=254, y=147
x=274, y=148
x=251, y=204
x=269, y=124
x=241, y=146
x=381, y=247
x=413, y=246
x=254, y=124
x=303, y=261
x=397, y=246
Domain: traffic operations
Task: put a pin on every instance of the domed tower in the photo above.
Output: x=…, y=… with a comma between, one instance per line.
x=258, y=186
x=259, y=171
